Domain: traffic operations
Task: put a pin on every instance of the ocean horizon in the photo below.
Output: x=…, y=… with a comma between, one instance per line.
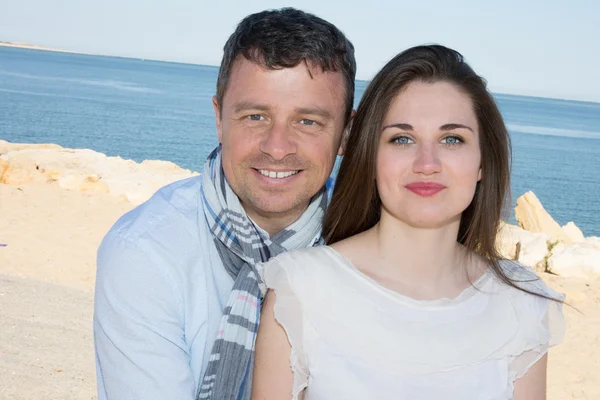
x=146, y=109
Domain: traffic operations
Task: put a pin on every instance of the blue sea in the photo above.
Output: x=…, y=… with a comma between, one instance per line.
x=143, y=109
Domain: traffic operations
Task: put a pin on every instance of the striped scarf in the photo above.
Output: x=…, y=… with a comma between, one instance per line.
x=229, y=371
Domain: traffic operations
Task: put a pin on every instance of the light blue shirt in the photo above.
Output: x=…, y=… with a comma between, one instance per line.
x=160, y=292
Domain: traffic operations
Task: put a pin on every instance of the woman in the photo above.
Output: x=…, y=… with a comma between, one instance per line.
x=409, y=299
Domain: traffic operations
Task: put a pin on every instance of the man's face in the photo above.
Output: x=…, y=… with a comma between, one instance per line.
x=280, y=130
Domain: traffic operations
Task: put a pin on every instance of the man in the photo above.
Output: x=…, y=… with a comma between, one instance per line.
x=177, y=292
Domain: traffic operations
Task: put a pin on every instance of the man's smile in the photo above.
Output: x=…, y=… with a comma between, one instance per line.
x=277, y=174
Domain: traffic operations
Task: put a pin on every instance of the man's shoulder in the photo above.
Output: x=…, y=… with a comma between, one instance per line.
x=174, y=206
x=165, y=240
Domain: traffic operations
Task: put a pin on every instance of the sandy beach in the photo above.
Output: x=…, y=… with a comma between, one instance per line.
x=49, y=237
x=47, y=271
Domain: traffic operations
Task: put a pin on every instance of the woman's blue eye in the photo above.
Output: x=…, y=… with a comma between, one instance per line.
x=402, y=140
x=452, y=140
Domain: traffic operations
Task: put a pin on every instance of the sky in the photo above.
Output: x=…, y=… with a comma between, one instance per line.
x=541, y=48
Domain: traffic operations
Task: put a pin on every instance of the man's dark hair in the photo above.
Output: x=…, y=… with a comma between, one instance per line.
x=283, y=39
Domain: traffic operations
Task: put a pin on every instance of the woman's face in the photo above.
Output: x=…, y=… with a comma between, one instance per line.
x=428, y=161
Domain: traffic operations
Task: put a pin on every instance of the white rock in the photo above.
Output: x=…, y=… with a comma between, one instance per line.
x=532, y=216
x=530, y=243
x=86, y=170
x=82, y=183
x=581, y=259
x=5, y=146
x=573, y=232
x=533, y=252
x=506, y=241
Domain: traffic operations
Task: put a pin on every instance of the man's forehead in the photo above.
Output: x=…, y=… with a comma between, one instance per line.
x=312, y=68
x=253, y=82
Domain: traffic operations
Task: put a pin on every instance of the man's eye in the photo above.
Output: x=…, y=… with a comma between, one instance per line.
x=255, y=117
x=307, y=122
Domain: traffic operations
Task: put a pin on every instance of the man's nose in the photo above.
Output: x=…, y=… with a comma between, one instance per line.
x=278, y=141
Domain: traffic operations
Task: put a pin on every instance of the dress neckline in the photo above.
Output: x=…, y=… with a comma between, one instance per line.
x=467, y=293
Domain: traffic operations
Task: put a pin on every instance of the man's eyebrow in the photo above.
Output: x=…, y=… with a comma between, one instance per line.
x=449, y=127
x=400, y=125
x=314, y=111
x=247, y=105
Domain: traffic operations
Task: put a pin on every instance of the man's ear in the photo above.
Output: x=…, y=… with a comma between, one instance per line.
x=345, y=134
x=217, y=118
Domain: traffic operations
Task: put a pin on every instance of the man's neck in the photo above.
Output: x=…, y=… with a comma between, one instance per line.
x=273, y=223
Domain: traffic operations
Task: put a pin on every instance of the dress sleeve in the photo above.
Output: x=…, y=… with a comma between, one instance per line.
x=288, y=312
x=543, y=326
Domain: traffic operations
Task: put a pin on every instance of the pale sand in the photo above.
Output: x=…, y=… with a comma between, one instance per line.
x=47, y=275
x=46, y=286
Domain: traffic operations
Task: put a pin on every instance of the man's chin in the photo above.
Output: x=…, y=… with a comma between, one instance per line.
x=276, y=206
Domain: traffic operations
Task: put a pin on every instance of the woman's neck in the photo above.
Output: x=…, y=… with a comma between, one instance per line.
x=422, y=263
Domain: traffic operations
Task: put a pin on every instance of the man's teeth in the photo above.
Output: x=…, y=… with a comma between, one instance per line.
x=278, y=175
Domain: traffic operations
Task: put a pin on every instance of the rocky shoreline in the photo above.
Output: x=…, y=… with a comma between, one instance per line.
x=539, y=241
x=85, y=170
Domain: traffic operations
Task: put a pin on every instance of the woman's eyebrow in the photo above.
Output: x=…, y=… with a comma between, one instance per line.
x=445, y=127
x=449, y=127
x=400, y=125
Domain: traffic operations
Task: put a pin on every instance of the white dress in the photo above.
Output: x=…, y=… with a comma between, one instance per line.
x=352, y=338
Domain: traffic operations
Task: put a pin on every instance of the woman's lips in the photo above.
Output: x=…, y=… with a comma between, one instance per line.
x=425, y=189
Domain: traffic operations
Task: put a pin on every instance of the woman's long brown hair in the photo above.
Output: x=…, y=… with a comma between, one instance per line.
x=356, y=205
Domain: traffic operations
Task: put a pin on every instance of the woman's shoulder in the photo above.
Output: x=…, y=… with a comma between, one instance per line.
x=301, y=267
x=303, y=254
x=307, y=259
x=524, y=280
x=537, y=306
x=538, y=315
